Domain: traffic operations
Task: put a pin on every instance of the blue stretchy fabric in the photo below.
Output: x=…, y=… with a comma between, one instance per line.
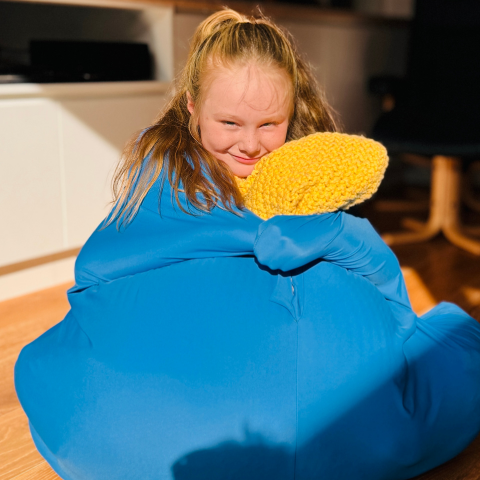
x=220, y=346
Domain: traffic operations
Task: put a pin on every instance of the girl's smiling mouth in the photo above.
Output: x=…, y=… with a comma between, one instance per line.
x=246, y=161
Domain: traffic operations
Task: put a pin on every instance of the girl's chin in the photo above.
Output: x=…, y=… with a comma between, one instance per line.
x=239, y=169
x=243, y=171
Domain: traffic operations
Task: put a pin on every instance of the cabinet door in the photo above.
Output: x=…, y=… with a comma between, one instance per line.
x=94, y=134
x=30, y=180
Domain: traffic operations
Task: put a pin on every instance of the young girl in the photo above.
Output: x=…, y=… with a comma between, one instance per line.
x=205, y=343
x=244, y=92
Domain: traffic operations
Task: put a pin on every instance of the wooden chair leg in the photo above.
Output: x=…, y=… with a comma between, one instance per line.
x=444, y=210
x=451, y=223
x=424, y=231
x=467, y=193
x=411, y=205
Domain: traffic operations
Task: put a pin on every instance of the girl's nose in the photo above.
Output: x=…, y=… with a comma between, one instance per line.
x=249, y=144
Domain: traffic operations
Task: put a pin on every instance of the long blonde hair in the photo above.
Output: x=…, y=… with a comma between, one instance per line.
x=173, y=142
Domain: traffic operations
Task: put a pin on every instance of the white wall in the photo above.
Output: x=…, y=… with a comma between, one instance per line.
x=387, y=8
x=344, y=58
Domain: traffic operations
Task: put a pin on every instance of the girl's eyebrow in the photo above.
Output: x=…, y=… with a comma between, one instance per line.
x=226, y=114
x=229, y=116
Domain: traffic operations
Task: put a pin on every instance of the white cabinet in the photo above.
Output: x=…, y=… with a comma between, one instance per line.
x=57, y=156
x=30, y=180
x=59, y=147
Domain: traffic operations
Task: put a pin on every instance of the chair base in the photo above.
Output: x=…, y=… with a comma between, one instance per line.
x=413, y=205
x=401, y=205
x=467, y=194
x=444, y=210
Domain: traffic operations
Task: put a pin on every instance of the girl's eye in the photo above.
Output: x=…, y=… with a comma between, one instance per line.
x=230, y=124
x=268, y=124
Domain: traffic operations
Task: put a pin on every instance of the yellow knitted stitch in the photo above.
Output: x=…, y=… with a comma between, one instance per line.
x=320, y=173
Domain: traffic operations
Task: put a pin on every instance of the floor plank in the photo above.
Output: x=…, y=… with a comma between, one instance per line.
x=39, y=472
x=18, y=454
x=21, y=321
x=421, y=297
x=465, y=466
x=451, y=274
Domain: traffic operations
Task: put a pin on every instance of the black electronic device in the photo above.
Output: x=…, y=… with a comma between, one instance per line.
x=88, y=61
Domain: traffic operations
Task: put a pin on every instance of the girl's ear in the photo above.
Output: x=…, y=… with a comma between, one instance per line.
x=190, y=104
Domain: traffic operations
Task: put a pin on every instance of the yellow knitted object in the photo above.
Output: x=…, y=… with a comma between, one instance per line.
x=320, y=173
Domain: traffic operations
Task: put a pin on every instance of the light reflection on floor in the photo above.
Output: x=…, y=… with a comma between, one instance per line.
x=420, y=296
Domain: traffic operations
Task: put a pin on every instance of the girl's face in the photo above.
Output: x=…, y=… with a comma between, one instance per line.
x=244, y=114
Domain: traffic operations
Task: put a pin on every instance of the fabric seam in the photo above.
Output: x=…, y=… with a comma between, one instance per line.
x=296, y=410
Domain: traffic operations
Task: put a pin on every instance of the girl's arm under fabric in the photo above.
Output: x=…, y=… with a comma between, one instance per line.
x=153, y=240
x=283, y=242
x=290, y=241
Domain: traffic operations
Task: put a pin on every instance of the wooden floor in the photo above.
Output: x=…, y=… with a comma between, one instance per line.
x=21, y=321
x=435, y=271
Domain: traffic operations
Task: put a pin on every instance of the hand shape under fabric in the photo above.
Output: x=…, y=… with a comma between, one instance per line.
x=322, y=173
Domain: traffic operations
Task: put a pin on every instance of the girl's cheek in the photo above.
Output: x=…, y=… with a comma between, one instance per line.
x=274, y=138
x=226, y=137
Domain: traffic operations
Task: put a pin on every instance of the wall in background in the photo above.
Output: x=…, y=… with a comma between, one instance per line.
x=344, y=56
x=387, y=8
